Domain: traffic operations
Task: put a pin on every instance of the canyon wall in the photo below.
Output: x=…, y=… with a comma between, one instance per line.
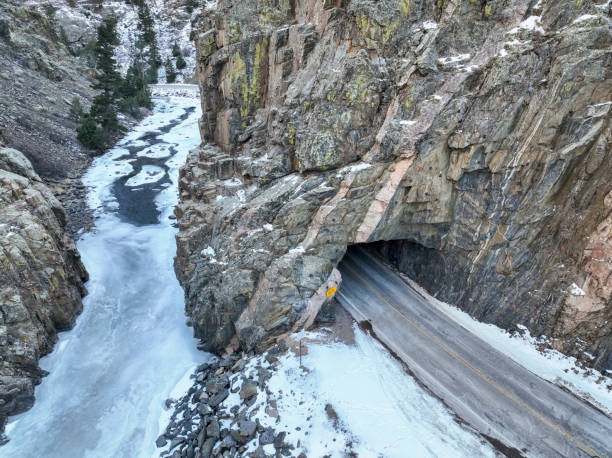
x=471, y=139
x=41, y=280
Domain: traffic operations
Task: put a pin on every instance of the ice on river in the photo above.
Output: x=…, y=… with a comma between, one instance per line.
x=130, y=348
x=148, y=174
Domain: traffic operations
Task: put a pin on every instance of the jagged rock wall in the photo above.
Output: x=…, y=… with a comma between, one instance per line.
x=475, y=134
x=41, y=279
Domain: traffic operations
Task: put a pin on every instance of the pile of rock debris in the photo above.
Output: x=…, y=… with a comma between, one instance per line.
x=217, y=415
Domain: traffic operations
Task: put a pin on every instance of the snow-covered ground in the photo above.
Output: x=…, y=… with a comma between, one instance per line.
x=173, y=25
x=353, y=398
x=535, y=355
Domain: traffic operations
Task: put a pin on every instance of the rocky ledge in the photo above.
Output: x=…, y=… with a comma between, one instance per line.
x=470, y=139
x=41, y=280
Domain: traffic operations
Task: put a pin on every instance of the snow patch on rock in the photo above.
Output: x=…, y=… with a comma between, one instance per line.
x=531, y=23
x=576, y=290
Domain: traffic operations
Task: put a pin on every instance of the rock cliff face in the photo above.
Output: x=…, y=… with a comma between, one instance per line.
x=470, y=139
x=41, y=280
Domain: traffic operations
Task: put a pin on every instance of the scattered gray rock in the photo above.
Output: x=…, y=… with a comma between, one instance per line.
x=247, y=428
x=227, y=443
x=218, y=398
x=279, y=440
x=176, y=442
x=216, y=385
x=201, y=437
x=248, y=390
x=207, y=448
x=161, y=441
x=196, y=430
x=213, y=429
x=267, y=437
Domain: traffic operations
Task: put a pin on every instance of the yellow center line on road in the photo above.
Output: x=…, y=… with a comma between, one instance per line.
x=585, y=448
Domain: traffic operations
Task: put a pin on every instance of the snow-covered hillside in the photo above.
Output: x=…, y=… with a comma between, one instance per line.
x=172, y=25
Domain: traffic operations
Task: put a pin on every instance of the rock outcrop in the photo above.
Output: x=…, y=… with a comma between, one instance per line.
x=470, y=139
x=41, y=280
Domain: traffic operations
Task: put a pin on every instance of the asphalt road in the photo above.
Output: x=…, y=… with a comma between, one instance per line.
x=495, y=395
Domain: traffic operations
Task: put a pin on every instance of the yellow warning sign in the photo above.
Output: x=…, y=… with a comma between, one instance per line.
x=331, y=291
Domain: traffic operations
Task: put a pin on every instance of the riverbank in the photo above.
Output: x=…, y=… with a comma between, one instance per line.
x=108, y=376
x=72, y=192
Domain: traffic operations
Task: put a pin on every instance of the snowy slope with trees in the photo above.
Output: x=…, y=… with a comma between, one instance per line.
x=172, y=24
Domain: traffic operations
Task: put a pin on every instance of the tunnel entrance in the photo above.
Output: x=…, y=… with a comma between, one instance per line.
x=448, y=275
x=425, y=266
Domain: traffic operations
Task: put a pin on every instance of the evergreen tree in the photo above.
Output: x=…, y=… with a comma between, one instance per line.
x=88, y=52
x=90, y=134
x=134, y=90
x=146, y=26
x=50, y=11
x=180, y=62
x=170, y=72
x=176, y=50
x=108, y=79
x=63, y=38
x=116, y=93
x=102, y=118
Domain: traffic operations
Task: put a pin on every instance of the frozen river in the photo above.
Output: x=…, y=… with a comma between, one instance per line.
x=130, y=349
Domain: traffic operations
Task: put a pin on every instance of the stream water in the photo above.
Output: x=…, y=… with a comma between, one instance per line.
x=130, y=349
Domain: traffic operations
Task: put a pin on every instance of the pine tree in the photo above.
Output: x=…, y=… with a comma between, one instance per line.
x=108, y=79
x=134, y=90
x=63, y=38
x=146, y=26
x=176, y=50
x=170, y=72
x=180, y=62
x=190, y=5
x=90, y=134
x=50, y=11
x=101, y=121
